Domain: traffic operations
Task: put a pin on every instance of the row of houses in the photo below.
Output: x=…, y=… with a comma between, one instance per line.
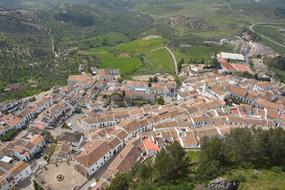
x=24, y=147
x=12, y=172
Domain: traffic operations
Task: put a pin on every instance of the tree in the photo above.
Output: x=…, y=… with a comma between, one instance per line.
x=178, y=161
x=145, y=172
x=179, y=65
x=171, y=164
x=9, y=135
x=160, y=101
x=78, y=110
x=162, y=167
x=120, y=182
x=242, y=148
x=212, y=158
x=277, y=146
x=155, y=79
x=37, y=186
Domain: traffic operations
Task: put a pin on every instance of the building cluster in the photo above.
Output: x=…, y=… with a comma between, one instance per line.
x=14, y=157
x=207, y=103
x=231, y=62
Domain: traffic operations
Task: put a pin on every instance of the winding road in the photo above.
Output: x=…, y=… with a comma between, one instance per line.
x=251, y=28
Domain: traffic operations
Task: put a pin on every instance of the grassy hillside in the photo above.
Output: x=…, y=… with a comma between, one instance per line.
x=274, y=32
x=26, y=52
x=229, y=18
x=142, y=56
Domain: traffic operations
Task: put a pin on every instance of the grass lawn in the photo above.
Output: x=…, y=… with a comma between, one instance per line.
x=194, y=155
x=199, y=53
x=263, y=179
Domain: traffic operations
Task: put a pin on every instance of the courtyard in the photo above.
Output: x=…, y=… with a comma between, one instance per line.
x=71, y=178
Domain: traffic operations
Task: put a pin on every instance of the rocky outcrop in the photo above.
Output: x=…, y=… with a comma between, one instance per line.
x=223, y=184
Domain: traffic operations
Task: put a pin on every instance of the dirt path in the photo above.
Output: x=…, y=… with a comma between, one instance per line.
x=172, y=56
x=174, y=59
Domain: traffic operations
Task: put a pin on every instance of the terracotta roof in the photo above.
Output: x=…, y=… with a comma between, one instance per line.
x=80, y=78
x=150, y=145
x=189, y=139
x=241, y=67
x=227, y=66
x=93, y=152
x=18, y=168
x=37, y=139
x=267, y=104
x=238, y=91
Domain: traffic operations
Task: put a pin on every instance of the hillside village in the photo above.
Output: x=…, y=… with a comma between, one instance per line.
x=99, y=126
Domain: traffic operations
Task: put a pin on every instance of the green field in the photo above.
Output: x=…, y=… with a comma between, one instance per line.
x=199, y=53
x=261, y=179
x=142, y=56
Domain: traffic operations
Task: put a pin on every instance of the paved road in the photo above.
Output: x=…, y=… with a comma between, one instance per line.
x=251, y=28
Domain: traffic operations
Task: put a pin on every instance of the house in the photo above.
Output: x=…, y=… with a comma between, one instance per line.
x=94, y=70
x=163, y=88
x=262, y=85
x=12, y=172
x=107, y=76
x=9, y=122
x=263, y=103
x=238, y=93
x=56, y=114
x=79, y=81
x=27, y=146
x=188, y=140
x=123, y=162
x=231, y=57
x=96, y=154
x=100, y=120
x=62, y=151
x=41, y=104
x=187, y=95
x=75, y=139
x=151, y=148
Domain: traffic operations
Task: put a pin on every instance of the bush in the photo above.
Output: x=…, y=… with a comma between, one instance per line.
x=9, y=135
x=276, y=169
x=240, y=178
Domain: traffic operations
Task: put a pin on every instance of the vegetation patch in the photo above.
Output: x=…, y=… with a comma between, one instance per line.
x=199, y=54
x=142, y=56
